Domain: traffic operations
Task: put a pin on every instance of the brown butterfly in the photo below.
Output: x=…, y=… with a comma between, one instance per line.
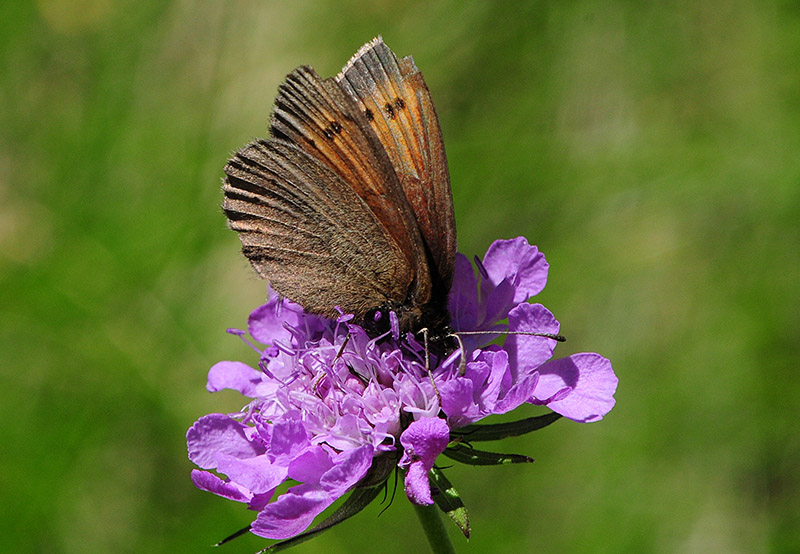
x=348, y=202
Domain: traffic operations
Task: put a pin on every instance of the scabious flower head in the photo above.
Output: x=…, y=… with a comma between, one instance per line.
x=332, y=407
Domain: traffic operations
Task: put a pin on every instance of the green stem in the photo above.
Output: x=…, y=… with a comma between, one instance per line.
x=434, y=528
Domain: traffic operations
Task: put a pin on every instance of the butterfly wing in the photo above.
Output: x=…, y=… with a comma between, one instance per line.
x=305, y=229
x=323, y=121
x=397, y=103
x=334, y=142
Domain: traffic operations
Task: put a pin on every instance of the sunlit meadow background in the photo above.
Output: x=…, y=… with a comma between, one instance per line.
x=650, y=149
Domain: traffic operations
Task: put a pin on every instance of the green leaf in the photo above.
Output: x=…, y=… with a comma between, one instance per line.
x=498, y=431
x=449, y=501
x=357, y=501
x=467, y=455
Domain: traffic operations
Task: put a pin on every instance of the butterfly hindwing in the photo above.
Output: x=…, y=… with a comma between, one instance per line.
x=305, y=229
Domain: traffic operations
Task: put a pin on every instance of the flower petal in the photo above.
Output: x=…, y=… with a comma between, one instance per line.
x=457, y=400
x=207, y=481
x=289, y=438
x=518, y=394
x=310, y=465
x=463, y=298
x=525, y=352
x=497, y=302
x=266, y=323
x=592, y=382
x=291, y=513
x=423, y=441
x=217, y=434
x=346, y=433
x=237, y=376
x=258, y=474
x=520, y=261
x=349, y=468
x=498, y=379
x=417, y=485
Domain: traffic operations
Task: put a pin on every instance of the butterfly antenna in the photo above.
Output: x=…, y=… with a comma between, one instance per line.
x=341, y=349
x=335, y=358
x=554, y=336
x=424, y=332
x=462, y=365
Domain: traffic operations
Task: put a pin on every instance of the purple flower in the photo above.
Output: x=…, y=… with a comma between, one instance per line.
x=422, y=442
x=329, y=404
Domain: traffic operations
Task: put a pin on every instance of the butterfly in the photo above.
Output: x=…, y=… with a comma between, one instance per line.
x=348, y=204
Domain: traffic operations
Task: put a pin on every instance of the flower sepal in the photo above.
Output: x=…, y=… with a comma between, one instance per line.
x=448, y=500
x=470, y=456
x=383, y=467
x=497, y=431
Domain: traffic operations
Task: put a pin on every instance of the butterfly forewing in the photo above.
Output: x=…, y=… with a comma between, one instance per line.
x=396, y=101
x=322, y=120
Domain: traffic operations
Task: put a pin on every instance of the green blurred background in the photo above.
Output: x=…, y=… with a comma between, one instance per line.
x=650, y=149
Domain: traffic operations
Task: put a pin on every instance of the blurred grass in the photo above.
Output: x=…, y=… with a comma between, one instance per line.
x=649, y=149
